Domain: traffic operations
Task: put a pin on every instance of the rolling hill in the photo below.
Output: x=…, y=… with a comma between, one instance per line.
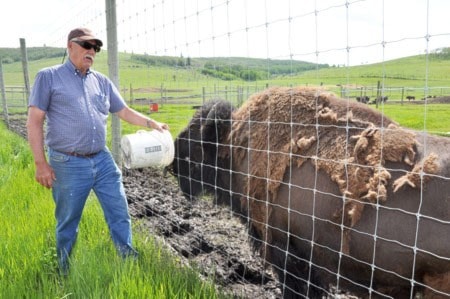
x=184, y=73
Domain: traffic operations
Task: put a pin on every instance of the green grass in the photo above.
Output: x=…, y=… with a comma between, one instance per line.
x=27, y=251
x=432, y=118
x=405, y=72
x=176, y=116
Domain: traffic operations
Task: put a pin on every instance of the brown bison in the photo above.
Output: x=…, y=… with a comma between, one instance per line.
x=335, y=194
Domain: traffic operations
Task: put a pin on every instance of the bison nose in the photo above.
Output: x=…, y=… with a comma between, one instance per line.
x=168, y=169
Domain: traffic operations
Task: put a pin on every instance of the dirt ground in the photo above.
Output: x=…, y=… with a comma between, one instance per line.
x=199, y=232
x=205, y=234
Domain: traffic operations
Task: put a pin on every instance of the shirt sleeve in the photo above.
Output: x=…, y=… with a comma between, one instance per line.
x=116, y=101
x=41, y=91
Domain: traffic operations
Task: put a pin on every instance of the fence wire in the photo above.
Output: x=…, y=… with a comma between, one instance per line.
x=337, y=33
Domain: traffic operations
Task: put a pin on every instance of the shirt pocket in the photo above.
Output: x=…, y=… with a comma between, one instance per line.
x=101, y=103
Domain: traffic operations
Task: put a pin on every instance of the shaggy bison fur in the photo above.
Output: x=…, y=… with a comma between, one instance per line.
x=334, y=193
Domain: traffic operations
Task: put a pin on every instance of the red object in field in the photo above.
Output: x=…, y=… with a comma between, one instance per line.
x=153, y=107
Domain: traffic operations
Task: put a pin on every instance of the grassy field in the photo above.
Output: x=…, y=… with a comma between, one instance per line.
x=432, y=118
x=408, y=73
x=27, y=253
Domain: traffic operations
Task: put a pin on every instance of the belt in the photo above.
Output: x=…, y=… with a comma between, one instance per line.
x=81, y=155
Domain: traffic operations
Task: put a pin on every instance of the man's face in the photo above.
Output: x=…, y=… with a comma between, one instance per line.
x=80, y=56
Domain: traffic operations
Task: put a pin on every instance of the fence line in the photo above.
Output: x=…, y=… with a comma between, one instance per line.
x=16, y=96
x=301, y=32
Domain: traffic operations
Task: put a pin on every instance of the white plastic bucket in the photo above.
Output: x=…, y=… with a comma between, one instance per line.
x=147, y=148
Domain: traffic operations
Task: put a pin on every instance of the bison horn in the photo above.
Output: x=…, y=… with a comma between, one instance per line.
x=218, y=121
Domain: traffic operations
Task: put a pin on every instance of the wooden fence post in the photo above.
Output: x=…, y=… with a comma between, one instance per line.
x=203, y=95
x=26, y=76
x=403, y=94
x=131, y=93
x=2, y=88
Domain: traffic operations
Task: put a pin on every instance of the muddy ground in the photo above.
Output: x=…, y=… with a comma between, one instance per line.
x=205, y=234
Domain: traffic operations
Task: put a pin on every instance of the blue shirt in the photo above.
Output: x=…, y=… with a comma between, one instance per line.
x=76, y=107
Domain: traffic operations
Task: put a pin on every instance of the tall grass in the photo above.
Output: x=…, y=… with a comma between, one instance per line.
x=27, y=251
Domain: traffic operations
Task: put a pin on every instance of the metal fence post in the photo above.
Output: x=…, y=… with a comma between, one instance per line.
x=113, y=66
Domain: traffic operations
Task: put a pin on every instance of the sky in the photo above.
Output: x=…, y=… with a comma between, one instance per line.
x=336, y=32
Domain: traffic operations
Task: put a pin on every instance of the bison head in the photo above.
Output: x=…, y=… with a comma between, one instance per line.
x=201, y=162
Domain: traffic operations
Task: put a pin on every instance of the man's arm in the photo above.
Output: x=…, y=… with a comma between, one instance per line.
x=135, y=118
x=35, y=129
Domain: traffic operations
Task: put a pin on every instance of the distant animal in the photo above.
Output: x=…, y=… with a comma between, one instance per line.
x=428, y=97
x=410, y=98
x=382, y=99
x=363, y=99
x=334, y=193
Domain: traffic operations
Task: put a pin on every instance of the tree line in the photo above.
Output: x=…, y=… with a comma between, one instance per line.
x=11, y=55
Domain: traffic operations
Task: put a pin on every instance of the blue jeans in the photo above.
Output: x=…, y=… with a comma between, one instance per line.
x=75, y=178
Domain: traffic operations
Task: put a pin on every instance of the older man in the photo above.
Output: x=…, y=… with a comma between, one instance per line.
x=75, y=101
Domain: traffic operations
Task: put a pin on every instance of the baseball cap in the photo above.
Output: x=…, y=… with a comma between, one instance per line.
x=83, y=34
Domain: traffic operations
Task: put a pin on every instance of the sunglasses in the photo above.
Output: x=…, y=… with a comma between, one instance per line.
x=87, y=45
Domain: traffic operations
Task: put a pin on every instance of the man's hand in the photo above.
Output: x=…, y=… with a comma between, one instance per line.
x=151, y=123
x=45, y=174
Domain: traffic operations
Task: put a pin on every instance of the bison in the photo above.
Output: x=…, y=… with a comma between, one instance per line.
x=363, y=99
x=336, y=195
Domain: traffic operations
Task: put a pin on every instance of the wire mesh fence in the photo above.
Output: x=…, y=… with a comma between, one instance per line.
x=338, y=200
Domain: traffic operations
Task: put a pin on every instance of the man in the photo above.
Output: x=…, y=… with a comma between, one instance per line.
x=75, y=101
